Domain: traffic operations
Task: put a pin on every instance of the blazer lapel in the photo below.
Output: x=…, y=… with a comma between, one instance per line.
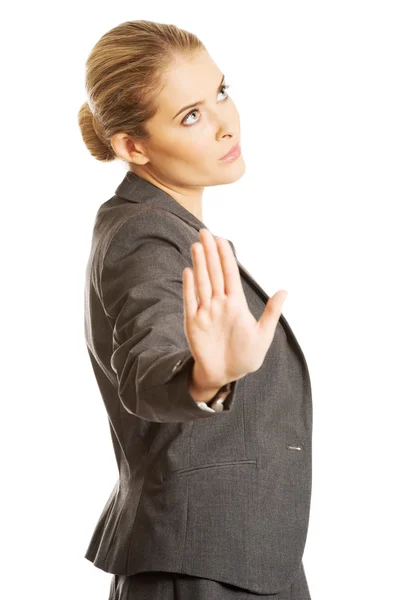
x=139, y=190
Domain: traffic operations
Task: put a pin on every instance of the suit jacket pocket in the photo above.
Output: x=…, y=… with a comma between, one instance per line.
x=193, y=469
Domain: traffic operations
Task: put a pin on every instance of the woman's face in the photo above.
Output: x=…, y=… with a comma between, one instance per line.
x=195, y=125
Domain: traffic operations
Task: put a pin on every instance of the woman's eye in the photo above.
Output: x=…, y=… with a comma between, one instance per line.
x=223, y=89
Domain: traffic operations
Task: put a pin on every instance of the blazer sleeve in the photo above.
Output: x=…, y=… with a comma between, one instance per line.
x=141, y=286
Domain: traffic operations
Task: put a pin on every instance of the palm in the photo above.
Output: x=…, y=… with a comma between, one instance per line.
x=223, y=335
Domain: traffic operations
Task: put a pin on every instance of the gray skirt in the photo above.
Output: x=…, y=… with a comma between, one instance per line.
x=163, y=585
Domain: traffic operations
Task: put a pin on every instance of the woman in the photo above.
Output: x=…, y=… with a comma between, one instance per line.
x=206, y=388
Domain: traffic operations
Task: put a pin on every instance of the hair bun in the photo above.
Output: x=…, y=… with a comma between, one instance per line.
x=90, y=135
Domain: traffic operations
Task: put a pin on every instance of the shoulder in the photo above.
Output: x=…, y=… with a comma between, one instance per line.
x=146, y=250
x=133, y=242
x=146, y=226
x=119, y=229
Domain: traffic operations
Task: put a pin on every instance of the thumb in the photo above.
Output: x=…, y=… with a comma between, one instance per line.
x=270, y=317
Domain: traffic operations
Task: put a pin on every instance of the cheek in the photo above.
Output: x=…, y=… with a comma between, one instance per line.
x=192, y=148
x=191, y=144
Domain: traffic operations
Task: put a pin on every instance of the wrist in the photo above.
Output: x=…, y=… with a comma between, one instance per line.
x=200, y=388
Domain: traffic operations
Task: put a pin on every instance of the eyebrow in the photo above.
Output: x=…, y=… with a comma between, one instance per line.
x=195, y=103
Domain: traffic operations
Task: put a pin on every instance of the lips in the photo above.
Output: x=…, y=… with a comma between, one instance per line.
x=232, y=152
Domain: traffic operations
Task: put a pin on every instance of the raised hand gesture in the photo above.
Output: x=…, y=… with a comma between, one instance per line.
x=225, y=339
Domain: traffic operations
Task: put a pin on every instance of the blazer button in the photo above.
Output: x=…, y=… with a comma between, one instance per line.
x=176, y=365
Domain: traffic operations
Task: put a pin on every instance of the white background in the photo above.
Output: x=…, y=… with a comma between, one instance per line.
x=316, y=213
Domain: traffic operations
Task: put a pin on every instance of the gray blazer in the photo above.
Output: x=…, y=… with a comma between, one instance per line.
x=221, y=495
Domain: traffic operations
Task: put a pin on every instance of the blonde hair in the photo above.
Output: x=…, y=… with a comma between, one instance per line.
x=123, y=79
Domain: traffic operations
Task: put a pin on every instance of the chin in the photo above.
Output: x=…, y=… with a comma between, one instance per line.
x=231, y=172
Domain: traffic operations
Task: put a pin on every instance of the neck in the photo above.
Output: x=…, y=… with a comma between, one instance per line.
x=189, y=198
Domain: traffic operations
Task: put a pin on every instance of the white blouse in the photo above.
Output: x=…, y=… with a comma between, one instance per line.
x=217, y=402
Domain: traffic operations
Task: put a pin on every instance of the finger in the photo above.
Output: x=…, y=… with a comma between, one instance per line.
x=230, y=269
x=213, y=262
x=190, y=303
x=200, y=272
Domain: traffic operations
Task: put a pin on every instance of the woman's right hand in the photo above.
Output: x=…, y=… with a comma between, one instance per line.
x=225, y=339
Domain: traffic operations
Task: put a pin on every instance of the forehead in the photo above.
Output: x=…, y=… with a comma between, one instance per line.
x=187, y=79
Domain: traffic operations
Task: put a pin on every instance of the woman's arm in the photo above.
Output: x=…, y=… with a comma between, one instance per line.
x=142, y=294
